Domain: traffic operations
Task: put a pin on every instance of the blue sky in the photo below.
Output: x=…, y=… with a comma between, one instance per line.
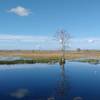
x=31, y=24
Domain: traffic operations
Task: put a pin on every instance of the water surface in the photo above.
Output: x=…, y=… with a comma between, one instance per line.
x=73, y=81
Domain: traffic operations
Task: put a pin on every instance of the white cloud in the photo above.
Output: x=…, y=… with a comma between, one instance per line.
x=91, y=41
x=94, y=40
x=20, y=11
x=44, y=42
x=87, y=40
x=27, y=42
x=25, y=38
x=44, y=39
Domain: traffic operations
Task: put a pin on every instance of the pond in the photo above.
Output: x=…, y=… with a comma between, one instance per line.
x=72, y=81
x=12, y=58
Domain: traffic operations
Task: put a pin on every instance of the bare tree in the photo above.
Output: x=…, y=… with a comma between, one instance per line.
x=64, y=39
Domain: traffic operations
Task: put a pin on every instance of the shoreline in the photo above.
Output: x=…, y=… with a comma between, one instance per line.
x=31, y=57
x=48, y=61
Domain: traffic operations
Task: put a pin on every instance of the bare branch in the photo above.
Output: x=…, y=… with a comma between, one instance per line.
x=63, y=38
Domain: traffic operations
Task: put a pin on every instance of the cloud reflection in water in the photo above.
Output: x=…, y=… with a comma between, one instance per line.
x=20, y=93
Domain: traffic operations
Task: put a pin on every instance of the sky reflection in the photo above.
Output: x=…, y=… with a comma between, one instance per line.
x=72, y=81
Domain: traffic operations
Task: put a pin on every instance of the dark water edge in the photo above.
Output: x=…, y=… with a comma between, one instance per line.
x=13, y=60
x=53, y=60
x=27, y=61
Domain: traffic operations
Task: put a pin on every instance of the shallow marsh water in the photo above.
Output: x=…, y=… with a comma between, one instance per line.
x=73, y=81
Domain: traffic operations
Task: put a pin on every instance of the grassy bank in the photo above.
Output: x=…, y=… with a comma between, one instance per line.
x=31, y=61
x=48, y=56
x=92, y=61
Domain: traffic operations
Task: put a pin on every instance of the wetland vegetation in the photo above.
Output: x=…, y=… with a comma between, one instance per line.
x=23, y=57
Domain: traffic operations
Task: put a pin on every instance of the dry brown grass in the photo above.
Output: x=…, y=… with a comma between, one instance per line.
x=51, y=54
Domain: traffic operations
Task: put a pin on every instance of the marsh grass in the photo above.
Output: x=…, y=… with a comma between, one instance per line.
x=89, y=60
x=47, y=56
x=31, y=61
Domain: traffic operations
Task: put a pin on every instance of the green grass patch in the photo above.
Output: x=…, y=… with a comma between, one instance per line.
x=94, y=61
x=34, y=60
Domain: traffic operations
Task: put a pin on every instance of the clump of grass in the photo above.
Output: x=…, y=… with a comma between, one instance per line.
x=31, y=61
x=94, y=61
x=16, y=62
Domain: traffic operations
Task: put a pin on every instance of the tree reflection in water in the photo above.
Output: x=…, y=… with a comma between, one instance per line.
x=60, y=93
x=62, y=87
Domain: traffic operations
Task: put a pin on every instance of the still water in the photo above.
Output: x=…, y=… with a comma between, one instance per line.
x=73, y=81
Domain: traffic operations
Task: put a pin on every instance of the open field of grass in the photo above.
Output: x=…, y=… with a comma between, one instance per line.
x=46, y=56
x=51, y=54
